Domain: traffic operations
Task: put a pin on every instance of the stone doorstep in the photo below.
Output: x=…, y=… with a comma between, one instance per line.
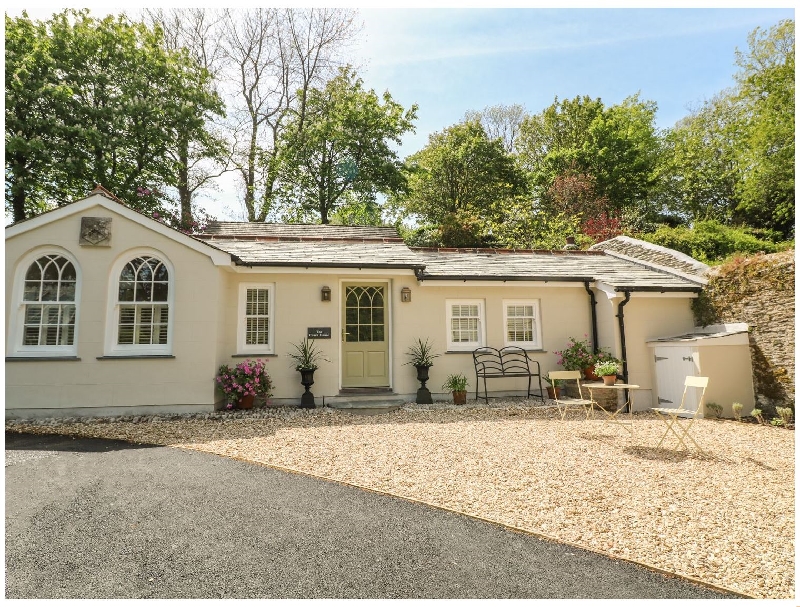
x=372, y=400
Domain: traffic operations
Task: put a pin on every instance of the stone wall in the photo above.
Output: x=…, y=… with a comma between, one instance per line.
x=758, y=290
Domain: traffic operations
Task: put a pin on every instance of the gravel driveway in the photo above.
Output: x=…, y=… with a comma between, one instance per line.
x=89, y=518
x=726, y=518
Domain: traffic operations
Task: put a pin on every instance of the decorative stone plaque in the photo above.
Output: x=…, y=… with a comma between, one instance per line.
x=95, y=231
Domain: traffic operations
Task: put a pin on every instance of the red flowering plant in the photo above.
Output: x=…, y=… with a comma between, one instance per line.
x=248, y=378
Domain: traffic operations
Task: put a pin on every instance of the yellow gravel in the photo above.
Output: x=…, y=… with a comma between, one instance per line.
x=726, y=518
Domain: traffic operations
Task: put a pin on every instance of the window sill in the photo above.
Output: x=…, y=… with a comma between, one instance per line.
x=254, y=355
x=461, y=351
x=134, y=356
x=17, y=359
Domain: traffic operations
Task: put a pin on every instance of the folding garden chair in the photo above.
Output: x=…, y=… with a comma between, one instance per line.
x=679, y=420
x=564, y=403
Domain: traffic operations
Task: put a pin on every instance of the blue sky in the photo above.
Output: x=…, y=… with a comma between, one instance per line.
x=449, y=61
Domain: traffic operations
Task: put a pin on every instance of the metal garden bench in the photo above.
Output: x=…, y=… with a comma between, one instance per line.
x=510, y=361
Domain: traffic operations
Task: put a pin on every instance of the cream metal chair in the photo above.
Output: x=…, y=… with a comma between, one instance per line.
x=566, y=403
x=679, y=420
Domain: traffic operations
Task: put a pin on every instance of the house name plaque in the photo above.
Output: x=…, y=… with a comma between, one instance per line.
x=319, y=333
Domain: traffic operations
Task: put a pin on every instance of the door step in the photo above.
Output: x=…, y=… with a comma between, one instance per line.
x=365, y=398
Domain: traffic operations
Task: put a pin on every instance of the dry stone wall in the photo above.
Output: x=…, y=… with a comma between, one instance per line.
x=758, y=290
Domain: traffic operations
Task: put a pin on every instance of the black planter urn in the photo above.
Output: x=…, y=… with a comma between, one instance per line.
x=307, y=379
x=423, y=394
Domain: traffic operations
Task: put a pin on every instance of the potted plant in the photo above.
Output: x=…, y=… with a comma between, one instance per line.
x=554, y=389
x=577, y=356
x=457, y=384
x=608, y=370
x=243, y=382
x=306, y=357
x=421, y=356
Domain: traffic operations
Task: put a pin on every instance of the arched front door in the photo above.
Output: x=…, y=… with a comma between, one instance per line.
x=365, y=347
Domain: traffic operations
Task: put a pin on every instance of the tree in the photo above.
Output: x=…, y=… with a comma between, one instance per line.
x=767, y=158
x=202, y=155
x=273, y=57
x=617, y=146
x=344, y=147
x=461, y=178
x=699, y=169
x=501, y=122
x=114, y=102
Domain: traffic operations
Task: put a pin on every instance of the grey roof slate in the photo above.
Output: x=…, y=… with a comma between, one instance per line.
x=651, y=254
x=483, y=264
x=234, y=229
x=264, y=244
x=321, y=253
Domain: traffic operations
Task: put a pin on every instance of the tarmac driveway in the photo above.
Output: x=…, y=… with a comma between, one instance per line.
x=88, y=518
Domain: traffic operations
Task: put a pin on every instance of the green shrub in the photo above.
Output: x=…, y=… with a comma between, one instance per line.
x=737, y=411
x=714, y=410
x=711, y=241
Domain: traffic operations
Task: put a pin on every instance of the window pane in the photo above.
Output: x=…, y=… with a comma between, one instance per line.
x=125, y=291
x=161, y=274
x=351, y=316
x=352, y=298
x=31, y=336
x=67, y=291
x=377, y=301
x=34, y=272
x=365, y=316
x=364, y=333
x=144, y=291
x=49, y=291
x=125, y=336
x=33, y=315
x=32, y=290
x=160, y=291
x=145, y=273
x=68, y=272
x=128, y=272
x=351, y=332
x=127, y=315
x=377, y=332
x=51, y=271
x=377, y=316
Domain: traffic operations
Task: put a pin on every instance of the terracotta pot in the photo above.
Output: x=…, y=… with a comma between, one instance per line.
x=553, y=393
x=588, y=374
x=609, y=380
x=246, y=402
x=460, y=398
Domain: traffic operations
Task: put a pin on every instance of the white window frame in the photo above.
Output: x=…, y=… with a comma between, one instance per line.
x=465, y=346
x=112, y=348
x=16, y=326
x=241, y=333
x=536, y=344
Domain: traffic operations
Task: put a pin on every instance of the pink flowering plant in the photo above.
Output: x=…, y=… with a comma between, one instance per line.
x=248, y=378
x=577, y=355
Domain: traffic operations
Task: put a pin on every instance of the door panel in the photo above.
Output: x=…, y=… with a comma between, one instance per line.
x=673, y=364
x=365, y=335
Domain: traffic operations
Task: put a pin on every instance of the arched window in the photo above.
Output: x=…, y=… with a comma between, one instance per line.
x=49, y=302
x=143, y=303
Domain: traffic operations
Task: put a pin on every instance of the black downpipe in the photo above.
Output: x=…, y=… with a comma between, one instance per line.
x=593, y=303
x=621, y=318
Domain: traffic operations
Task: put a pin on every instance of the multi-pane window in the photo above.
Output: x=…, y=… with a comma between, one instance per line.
x=49, y=302
x=522, y=324
x=464, y=324
x=142, y=298
x=364, y=314
x=256, y=314
x=256, y=333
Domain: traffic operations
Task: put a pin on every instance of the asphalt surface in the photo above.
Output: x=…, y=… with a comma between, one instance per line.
x=89, y=518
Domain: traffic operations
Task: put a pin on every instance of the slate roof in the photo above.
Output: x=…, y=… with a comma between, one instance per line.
x=269, y=244
x=265, y=244
x=651, y=254
x=488, y=264
x=234, y=229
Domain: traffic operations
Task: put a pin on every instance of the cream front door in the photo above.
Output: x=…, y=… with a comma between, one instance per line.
x=365, y=346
